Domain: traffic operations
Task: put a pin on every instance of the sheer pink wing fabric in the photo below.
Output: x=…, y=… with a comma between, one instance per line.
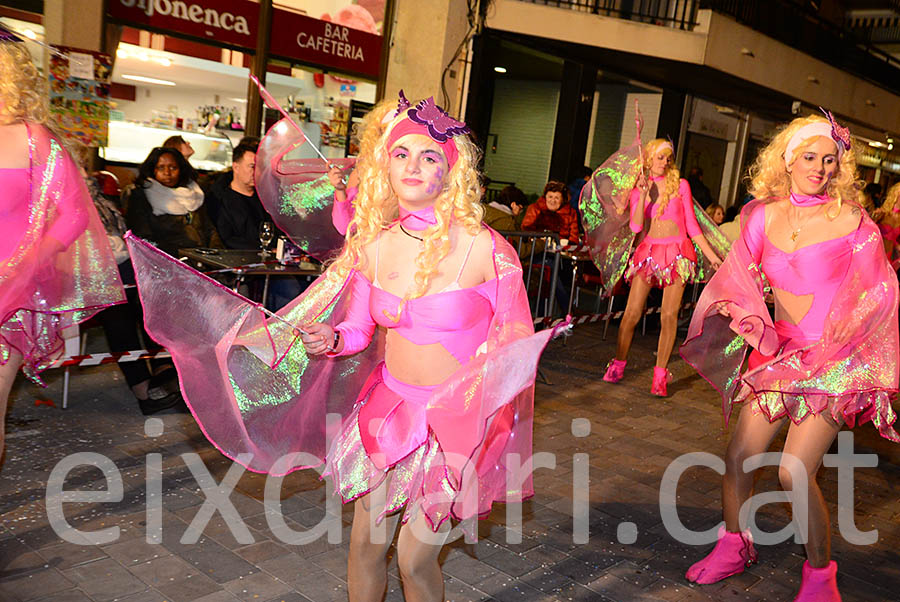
x=851, y=371
x=248, y=381
x=605, y=212
x=264, y=403
x=297, y=193
x=62, y=271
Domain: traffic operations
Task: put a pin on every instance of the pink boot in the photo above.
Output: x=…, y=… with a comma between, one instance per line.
x=615, y=371
x=661, y=378
x=819, y=585
x=732, y=553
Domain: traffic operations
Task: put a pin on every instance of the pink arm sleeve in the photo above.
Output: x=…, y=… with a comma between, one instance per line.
x=358, y=326
x=753, y=231
x=342, y=212
x=690, y=219
x=71, y=217
x=634, y=201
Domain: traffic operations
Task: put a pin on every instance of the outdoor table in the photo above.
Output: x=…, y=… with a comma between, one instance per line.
x=243, y=263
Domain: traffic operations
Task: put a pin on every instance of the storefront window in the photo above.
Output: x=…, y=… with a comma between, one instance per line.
x=326, y=105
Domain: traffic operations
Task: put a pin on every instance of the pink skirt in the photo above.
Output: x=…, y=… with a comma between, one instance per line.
x=663, y=261
x=387, y=434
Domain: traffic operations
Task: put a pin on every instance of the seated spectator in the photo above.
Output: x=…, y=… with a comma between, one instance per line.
x=166, y=206
x=552, y=213
x=506, y=212
x=179, y=144
x=239, y=214
x=239, y=210
x=716, y=213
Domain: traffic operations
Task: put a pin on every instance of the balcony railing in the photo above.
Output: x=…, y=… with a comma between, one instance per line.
x=680, y=14
x=792, y=23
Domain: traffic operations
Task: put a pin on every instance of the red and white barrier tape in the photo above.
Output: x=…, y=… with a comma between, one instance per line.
x=109, y=358
x=590, y=318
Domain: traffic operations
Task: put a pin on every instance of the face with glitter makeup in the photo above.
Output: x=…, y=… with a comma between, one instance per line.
x=417, y=171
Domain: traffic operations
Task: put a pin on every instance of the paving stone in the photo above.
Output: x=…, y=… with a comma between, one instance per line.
x=105, y=580
x=72, y=595
x=67, y=555
x=258, y=586
x=33, y=585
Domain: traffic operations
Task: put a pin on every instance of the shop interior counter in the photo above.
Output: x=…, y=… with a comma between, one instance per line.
x=131, y=142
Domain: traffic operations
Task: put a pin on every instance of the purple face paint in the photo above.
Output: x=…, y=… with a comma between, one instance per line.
x=435, y=184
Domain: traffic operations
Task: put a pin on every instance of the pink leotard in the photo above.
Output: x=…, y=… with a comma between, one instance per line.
x=817, y=269
x=680, y=210
x=456, y=318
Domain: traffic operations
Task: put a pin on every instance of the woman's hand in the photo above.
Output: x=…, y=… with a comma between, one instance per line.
x=643, y=185
x=714, y=260
x=318, y=338
x=336, y=177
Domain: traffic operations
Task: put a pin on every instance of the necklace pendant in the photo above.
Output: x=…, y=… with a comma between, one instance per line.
x=794, y=234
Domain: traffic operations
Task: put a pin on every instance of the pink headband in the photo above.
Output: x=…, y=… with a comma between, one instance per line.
x=830, y=129
x=428, y=119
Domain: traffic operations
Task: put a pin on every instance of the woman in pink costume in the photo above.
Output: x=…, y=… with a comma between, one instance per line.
x=418, y=335
x=889, y=224
x=661, y=211
x=829, y=358
x=56, y=267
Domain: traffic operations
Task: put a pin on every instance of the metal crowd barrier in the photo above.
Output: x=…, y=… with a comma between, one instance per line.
x=538, y=253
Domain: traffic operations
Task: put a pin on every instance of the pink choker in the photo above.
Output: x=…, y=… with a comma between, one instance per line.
x=806, y=200
x=417, y=220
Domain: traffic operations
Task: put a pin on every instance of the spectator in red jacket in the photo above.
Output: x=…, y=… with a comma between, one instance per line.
x=553, y=213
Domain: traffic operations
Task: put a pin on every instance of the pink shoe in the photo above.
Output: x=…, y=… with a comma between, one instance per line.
x=733, y=552
x=819, y=585
x=661, y=377
x=615, y=371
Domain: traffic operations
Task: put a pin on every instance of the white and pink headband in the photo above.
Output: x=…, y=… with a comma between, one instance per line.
x=830, y=129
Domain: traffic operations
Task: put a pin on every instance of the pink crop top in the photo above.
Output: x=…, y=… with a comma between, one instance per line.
x=889, y=232
x=457, y=318
x=680, y=210
x=817, y=269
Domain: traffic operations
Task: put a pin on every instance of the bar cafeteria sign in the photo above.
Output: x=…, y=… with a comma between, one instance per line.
x=234, y=22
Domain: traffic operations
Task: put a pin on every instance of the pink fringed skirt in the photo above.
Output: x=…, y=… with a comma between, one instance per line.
x=663, y=261
x=773, y=393
x=386, y=438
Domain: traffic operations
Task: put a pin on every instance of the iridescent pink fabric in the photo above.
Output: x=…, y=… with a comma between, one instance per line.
x=57, y=269
x=849, y=370
x=264, y=403
x=297, y=193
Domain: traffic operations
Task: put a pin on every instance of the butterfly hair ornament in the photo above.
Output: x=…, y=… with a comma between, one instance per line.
x=830, y=129
x=427, y=119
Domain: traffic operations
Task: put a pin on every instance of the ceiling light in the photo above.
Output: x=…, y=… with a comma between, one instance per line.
x=148, y=80
x=747, y=52
x=238, y=99
x=29, y=34
x=500, y=69
x=812, y=79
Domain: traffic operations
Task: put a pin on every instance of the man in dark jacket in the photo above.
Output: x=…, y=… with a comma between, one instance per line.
x=238, y=209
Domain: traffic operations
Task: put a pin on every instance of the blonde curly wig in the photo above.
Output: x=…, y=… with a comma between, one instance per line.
x=23, y=90
x=672, y=177
x=891, y=199
x=377, y=205
x=770, y=179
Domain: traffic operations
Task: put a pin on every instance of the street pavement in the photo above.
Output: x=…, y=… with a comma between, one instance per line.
x=634, y=437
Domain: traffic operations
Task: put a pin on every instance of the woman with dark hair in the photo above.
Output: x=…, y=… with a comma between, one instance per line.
x=166, y=205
